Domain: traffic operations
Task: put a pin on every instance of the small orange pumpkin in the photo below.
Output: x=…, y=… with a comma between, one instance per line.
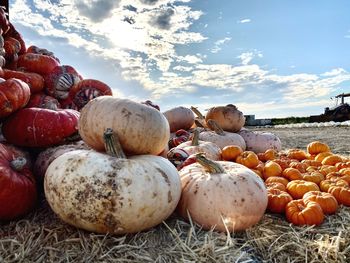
x=327, y=201
x=276, y=185
x=326, y=169
x=319, y=157
x=278, y=179
x=248, y=159
x=317, y=147
x=315, y=177
x=332, y=159
x=298, y=188
x=230, y=152
x=341, y=193
x=300, y=213
x=277, y=200
x=292, y=174
x=312, y=163
x=298, y=165
x=297, y=154
x=326, y=184
x=269, y=154
x=272, y=168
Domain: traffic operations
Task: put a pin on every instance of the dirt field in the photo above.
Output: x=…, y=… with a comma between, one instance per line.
x=42, y=237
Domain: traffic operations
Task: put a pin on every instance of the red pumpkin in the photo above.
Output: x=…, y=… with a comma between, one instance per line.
x=88, y=89
x=11, y=46
x=60, y=80
x=18, y=192
x=34, y=80
x=42, y=51
x=68, y=103
x=36, y=127
x=12, y=32
x=41, y=100
x=15, y=94
x=37, y=63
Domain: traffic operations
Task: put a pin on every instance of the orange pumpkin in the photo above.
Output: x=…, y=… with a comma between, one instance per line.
x=327, y=201
x=326, y=184
x=342, y=165
x=277, y=200
x=275, y=185
x=298, y=188
x=283, y=162
x=332, y=159
x=317, y=147
x=230, y=152
x=298, y=165
x=278, y=179
x=292, y=174
x=297, y=154
x=269, y=154
x=344, y=171
x=341, y=193
x=312, y=163
x=319, y=157
x=300, y=213
x=248, y=159
x=326, y=169
x=272, y=168
x=336, y=175
x=315, y=177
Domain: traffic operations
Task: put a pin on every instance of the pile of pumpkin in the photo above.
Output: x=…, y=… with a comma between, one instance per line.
x=114, y=165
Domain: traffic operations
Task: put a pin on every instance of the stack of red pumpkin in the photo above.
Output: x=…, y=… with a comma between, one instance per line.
x=40, y=103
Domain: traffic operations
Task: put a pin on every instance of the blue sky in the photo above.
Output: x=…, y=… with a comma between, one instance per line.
x=270, y=58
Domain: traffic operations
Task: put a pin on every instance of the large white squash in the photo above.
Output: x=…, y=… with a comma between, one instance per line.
x=141, y=129
x=221, y=195
x=106, y=194
x=259, y=142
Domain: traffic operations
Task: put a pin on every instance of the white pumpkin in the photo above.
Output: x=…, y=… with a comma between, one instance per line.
x=259, y=142
x=179, y=118
x=141, y=129
x=221, y=195
x=220, y=137
x=211, y=150
x=105, y=194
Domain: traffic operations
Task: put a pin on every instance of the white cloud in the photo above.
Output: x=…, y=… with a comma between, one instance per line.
x=218, y=44
x=243, y=21
x=246, y=57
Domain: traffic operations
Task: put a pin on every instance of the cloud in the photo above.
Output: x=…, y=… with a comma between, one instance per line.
x=247, y=57
x=162, y=21
x=218, y=44
x=243, y=21
x=96, y=10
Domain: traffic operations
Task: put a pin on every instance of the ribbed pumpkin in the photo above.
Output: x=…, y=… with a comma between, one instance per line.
x=141, y=129
x=228, y=117
x=112, y=194
x=221, y=195
x=15, y=95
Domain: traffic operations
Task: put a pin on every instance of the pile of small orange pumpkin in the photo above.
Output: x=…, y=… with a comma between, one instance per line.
x=304, y=185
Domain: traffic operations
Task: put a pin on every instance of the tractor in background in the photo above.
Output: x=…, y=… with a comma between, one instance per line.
x=340, y=112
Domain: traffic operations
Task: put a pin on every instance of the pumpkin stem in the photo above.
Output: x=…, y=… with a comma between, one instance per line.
x=213, y=125
x=198, y=123
x=197, y=112
x=112, y=144
x=18, y=163
x=195, y=138
x=211, y=166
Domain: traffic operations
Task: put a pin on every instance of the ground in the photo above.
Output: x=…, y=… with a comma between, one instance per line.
x=42, y=237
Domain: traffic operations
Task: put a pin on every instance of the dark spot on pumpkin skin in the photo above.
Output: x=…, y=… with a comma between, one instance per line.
x=111, y=222
x=242, y=200
x=165, y=176
x=170, y=198
x=154, y=195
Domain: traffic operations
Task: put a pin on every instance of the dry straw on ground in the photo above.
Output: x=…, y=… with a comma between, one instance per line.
x=43, y=237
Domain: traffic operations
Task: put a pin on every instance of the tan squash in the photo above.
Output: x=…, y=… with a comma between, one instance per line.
x=228, y=117
x=220, y=137
x=179, y=118
x=141, y=129
x=221, y=195
x=259, y=142
x=112, y=194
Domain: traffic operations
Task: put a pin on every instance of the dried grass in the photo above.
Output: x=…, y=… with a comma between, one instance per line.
x=43, y=237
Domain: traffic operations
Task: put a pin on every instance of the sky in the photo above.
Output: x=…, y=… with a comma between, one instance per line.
x=270, y=58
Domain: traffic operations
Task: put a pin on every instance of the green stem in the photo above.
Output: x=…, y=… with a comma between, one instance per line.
x=18, y=163
x=211, y=166
x=112, y=144
x=213, y=125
